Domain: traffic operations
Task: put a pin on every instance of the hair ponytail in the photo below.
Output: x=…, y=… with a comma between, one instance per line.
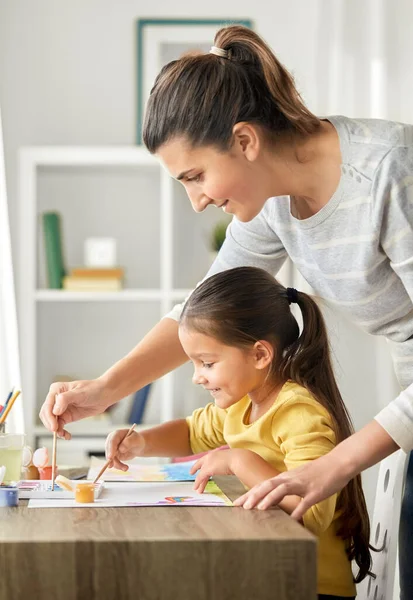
x=308, y=362
x=247, y=48
x=250, y=85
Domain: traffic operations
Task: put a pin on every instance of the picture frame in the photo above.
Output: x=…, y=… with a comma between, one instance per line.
x=158, y=41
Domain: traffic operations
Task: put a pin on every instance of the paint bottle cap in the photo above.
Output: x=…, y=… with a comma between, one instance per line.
x=41, y=457
x=27, y=455
x=65, y=483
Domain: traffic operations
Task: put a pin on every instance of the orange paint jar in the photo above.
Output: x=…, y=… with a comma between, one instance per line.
x=30, y=472
x=85, y=493
x=46, y=472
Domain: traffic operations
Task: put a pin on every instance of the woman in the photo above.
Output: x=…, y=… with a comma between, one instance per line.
x=334, y=194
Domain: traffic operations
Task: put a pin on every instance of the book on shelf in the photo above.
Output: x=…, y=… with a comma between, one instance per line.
x=97, y=272
x=92, y=284
x=52, y=234
x=139, y=402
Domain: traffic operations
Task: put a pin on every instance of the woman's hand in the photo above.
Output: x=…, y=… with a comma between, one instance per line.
x=217, y=462
x=312, y=482
x=326, y=475
x=119, y=448
x=71, y=401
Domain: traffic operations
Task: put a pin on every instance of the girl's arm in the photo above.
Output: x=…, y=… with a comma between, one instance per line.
x=169, y=439
x=252, y=469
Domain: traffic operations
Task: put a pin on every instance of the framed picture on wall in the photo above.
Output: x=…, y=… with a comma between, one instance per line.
x=161, y=40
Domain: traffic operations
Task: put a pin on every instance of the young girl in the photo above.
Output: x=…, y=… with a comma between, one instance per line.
x=276, y=405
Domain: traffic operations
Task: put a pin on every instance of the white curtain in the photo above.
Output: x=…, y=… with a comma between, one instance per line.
x=362, y=58
x=9, y=353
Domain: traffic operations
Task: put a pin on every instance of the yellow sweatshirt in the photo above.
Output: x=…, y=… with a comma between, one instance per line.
x=295, y=430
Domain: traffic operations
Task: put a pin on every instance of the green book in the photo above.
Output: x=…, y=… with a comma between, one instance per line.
x=53, y=246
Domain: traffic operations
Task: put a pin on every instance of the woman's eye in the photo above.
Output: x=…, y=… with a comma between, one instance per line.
x=208, y=365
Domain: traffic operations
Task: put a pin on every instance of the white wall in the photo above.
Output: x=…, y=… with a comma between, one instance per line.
x=67, y=69
x=67, y=76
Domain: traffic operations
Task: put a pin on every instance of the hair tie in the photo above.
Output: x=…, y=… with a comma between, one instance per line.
x=219, y=52
x=292, y=296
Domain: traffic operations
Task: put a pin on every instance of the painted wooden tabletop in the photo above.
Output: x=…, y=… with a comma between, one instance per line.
x=162, y=553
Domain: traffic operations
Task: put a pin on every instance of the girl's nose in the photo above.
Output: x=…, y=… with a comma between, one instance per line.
x=198, y=379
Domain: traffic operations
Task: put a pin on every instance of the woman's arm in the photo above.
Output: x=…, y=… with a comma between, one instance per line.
x=159, y=352
x=326, y=475
x=253, y=243
x=249, y=467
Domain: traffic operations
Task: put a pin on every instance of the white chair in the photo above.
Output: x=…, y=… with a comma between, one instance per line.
x=385, y=530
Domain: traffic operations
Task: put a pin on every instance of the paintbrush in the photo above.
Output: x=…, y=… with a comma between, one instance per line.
x=54, y=458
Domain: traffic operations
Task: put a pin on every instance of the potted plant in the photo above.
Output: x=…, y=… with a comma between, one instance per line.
x=217, y=238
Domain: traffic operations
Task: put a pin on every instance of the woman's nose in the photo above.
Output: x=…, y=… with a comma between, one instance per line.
x=199, y=202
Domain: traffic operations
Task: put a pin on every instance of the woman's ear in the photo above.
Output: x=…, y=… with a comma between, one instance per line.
x=246, y=140
x=263, y=354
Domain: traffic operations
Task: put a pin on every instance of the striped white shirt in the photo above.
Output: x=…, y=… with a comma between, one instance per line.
x=356, y=252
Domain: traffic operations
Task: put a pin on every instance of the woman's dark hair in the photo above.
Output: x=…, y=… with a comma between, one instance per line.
x=202, y=96
x=240, y=306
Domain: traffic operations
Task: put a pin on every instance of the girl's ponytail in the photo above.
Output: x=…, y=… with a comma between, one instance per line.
x=307, y=361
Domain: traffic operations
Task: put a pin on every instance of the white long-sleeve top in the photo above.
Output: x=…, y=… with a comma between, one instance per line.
x=356, y=252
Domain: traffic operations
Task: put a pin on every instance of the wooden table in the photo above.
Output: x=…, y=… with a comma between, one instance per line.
x=155, y=553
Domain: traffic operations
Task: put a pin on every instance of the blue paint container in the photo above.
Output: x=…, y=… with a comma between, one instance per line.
x=9, y=495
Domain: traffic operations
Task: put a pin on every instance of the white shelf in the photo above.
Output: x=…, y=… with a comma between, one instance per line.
x=115, y=296
x=30, y=160
x=91, y=428
x=49, y=320
x=179, y=294
x=88, y=156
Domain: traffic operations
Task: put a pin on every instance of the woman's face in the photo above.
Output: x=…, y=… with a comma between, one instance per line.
x=229, y=180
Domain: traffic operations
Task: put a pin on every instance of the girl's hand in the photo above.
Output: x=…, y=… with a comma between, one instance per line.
x=119, y=449
x=312, y=482
x=217, y=462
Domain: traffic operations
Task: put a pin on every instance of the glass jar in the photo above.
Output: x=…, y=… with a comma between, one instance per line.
x=11, y=448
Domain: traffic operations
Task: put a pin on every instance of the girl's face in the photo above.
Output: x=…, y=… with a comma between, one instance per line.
x=233, y=180
x=228, y=373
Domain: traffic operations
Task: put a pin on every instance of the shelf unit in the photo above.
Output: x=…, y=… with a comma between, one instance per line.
x=36, y=302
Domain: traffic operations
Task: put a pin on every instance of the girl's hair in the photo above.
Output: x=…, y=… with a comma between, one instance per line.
x=240, y=306
x=202, y=96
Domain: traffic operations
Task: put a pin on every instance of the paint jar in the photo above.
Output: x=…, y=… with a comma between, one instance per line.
x=85, y=492
x=46, y=472
x=30, y=472
x=11, y=447
x=9, y=495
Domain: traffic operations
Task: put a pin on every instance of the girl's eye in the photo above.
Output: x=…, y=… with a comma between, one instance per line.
x=208, y=365
x=196, y=179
